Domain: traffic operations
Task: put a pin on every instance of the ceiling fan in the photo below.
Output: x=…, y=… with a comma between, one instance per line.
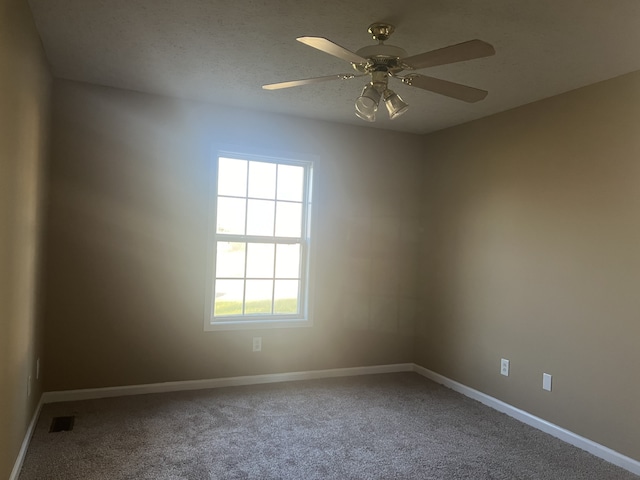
x=381, y=62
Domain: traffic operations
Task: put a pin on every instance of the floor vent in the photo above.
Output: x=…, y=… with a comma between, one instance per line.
x=61, y=424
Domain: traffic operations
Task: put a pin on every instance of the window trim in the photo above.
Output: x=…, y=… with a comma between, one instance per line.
x=256, y=321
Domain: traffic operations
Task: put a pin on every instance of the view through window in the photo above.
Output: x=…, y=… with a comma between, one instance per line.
x=261, y=240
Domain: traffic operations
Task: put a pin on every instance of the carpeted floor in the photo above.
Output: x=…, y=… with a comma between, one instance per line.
x=394, y=426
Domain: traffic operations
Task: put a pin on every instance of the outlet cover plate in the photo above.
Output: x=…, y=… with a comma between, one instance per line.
x=504, y=367
x=257, y=344
x=546, y=382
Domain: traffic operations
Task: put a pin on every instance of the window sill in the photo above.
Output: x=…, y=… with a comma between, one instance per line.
x=255, y=324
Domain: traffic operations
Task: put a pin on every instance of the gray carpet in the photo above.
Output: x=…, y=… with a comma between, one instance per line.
x=395, y=426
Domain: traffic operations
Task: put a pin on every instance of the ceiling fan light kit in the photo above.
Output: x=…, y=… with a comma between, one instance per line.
x=381, y=62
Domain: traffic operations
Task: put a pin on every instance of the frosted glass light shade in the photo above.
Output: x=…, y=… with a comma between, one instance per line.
x=367, y=103
x=395, y=105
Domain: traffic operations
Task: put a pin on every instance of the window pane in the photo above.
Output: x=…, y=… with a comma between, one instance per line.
x=260, y=260
x=230, y=259
x=260, y=217
x=288, y=261
x=258, y=296
x=232, y=177
x=286, y=296
x=289, y=219
x=228, y=299
x=230, y=216
x=262, y=180
x=290, y=182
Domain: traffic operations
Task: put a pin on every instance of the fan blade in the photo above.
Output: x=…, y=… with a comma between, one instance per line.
x=327, y=46
x=448, y=89
x=454, y=53
x=308, y=81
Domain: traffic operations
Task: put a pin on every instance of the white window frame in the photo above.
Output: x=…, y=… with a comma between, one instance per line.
x=254, y=321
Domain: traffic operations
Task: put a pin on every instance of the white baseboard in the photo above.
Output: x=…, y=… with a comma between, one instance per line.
x=17, y=466
x=93, y=393
x=567, y=436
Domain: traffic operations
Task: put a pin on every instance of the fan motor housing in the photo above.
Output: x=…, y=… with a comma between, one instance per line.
x=381, y=58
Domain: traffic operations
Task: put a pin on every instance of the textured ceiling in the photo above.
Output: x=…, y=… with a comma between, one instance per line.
x=222, y=51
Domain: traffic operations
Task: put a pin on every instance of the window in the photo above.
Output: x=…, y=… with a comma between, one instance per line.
x=259, y=246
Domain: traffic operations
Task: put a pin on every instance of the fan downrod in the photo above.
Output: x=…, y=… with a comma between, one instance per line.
x=381, y=31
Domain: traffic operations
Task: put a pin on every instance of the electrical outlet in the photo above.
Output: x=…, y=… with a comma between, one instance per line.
x=546, y=382
x=29, y=386
x=504, y=367
x=38, y=369
x=257, y=344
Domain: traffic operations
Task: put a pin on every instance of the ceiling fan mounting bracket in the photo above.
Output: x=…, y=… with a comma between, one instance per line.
x=381, y=31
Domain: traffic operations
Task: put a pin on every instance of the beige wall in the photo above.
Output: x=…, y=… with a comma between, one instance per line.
x=127, y=230
x=24, y=98
x=532, y=253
